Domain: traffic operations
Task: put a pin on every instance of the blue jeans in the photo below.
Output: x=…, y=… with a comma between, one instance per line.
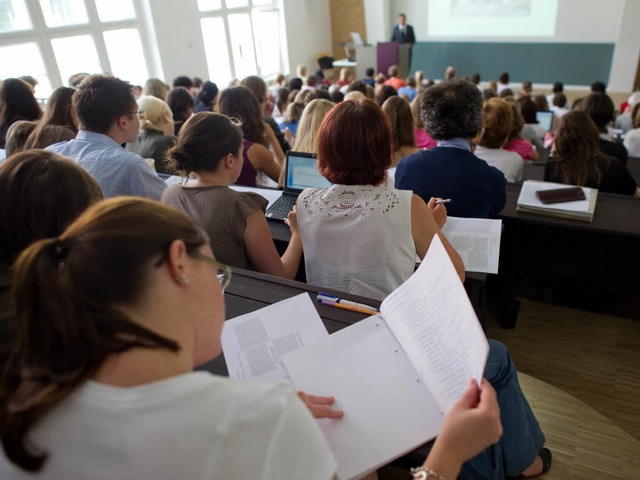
x=522, y=438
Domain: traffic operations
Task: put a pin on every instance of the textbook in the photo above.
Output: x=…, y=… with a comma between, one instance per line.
x=398, y=373
x=477, y=240
x=529, y=201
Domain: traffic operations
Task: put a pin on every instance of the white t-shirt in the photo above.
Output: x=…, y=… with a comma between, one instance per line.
x=192, y=426
x=632, y=142
x=357, y=238
x=509, y=163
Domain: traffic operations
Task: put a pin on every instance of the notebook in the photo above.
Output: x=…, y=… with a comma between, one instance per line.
x=300, y=173
x=545, y=119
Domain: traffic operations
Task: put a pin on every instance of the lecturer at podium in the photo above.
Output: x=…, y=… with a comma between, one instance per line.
x=403, y=33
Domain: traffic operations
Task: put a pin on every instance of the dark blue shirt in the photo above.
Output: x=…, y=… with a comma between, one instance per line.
x=477, y=190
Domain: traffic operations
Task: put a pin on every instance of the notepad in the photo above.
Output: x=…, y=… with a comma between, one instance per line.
x=398, y=373
x=582, y=210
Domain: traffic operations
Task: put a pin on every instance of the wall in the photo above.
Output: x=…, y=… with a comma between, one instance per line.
x=308, y=25
x=626, y=55
x=346, y=16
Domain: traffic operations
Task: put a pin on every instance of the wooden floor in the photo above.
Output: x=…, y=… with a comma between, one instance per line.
x=581, y=373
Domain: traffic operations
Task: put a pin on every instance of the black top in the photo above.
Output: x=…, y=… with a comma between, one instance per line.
x=153, y=143
x=615, y=179
x=613, y=149
x=279, y=135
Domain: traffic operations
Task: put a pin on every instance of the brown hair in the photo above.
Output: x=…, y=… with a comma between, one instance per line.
x=101, y=100
x=17, y=136
x=398, y=112
x=67, y=292
x=496, y=121
x=541, y=103
x=415, y=112
x=600, y=108
x=241, y=103
x=257, y=86
x=41, y=192
x=59, y=111
x=577, y=155
x=354, y=144
x=203, y=142
x=16, y=103
x=48, y=135
x=518, y=121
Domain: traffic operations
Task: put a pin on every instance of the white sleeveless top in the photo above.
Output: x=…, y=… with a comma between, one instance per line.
x=357, y=239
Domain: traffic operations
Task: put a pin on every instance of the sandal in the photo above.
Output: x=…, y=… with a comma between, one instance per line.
x=545, y=456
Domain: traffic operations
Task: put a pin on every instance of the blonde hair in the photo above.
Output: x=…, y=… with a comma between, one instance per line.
x=354, y=95
x=151, y=111
x=312, y=116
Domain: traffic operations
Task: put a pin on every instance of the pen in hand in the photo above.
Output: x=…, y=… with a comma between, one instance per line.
x=443, y=201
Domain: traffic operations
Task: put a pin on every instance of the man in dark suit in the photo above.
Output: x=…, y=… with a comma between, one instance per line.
x=403, y=33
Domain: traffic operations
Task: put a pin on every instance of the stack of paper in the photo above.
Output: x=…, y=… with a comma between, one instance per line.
x=582, y=210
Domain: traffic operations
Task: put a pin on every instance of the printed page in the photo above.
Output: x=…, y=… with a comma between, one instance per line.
x=253, y=344
x=528, y=197
x=387, y=410
x=477, y=240
x=432, y=318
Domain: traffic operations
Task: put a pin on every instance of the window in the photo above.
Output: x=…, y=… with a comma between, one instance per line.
x=53, y=39
x=241, y=38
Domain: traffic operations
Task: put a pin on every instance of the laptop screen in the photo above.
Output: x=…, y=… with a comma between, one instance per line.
x=545, y=119
x=302, y=172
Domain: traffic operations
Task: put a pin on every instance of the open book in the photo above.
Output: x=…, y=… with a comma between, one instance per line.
x=398, y=373
x=582, y=210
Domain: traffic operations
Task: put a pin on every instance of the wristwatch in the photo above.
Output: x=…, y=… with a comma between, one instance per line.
x=424, y=473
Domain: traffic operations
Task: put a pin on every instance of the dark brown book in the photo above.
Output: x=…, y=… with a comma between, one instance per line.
x=561, y=195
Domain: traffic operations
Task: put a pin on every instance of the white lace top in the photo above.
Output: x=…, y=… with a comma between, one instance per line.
x=356, y=238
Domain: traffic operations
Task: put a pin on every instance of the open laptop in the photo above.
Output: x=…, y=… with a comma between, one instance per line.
x=300, y=173
x=545, y=119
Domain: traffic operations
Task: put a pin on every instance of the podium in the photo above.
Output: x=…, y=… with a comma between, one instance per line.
x=393, y=53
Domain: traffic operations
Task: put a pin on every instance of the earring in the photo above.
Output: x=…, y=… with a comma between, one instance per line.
x=184, y=280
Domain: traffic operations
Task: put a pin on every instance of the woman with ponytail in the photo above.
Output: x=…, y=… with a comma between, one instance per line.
x=113, y=316
x=210, y=146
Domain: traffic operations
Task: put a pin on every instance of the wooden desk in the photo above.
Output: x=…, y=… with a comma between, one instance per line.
x=600, y=256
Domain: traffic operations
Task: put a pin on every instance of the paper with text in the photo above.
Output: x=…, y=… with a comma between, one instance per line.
x=388, y=411
x=433, y=319
x=253, y=344
x=477, y=240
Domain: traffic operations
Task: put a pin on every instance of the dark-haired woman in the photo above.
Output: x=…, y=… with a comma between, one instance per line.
x=115, y=313
x=58, y=112
x=210, y=147
x=578, y=160
x=259, y=138
x=379, y=229
x=27, y=215
x=16, y=103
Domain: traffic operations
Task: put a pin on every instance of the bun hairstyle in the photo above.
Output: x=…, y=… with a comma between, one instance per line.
x=151, y=111
x=68, y=291
x=204, y=140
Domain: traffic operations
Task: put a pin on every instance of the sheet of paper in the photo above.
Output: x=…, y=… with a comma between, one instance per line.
x=528, y=197
x=253, y=344
x=477, y=240
x=270, y=194
x=388, y=411
x=432, y=318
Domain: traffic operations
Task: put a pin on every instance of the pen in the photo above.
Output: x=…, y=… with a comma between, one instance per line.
x=368, y=311
x=330, y=298
x=444, y=200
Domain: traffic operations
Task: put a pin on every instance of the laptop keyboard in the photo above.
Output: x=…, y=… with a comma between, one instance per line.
x=285, y=203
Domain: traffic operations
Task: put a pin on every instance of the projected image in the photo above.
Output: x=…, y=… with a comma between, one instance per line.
x=490, y=8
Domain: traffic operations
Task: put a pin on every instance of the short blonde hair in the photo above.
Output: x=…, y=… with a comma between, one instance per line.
x=152, y=110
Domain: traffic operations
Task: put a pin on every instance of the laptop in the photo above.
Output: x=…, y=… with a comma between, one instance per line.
x=545, y=119
x=300, y=173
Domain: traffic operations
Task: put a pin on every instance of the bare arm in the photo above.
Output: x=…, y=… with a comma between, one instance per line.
x=263, y=160
x=262, y=251
x=424, y=227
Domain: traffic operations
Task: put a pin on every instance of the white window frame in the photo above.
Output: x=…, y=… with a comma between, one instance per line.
x=42, y=35
x=224, y=12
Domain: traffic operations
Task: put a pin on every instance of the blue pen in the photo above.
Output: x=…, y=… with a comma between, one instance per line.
x=444, y=200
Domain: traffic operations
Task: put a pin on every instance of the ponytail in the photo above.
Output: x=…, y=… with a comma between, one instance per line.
x=65, y=290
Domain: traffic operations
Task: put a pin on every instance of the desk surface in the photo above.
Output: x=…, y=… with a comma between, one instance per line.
x=616, y=215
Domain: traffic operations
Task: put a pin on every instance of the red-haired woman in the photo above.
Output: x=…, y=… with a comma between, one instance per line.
x=360, y=235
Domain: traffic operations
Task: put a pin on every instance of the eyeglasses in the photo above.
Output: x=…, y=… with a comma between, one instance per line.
x=223, y=272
